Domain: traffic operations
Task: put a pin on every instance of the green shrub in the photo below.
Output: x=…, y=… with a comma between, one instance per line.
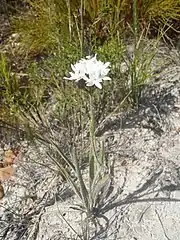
x=47, y=22
x=42, y=26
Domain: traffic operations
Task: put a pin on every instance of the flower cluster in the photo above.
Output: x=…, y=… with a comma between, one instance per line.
x=92, y=71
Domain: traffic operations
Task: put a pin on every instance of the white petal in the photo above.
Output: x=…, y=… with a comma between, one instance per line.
x=105, y=71
x=98, y=85
x=68, y=78
x=106, y=78
x=89, y=82
x=73, y=67
x=107, y=64
x=86, y=78
x=71, y=73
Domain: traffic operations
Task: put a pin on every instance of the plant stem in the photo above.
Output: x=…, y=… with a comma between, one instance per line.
x=92, y=158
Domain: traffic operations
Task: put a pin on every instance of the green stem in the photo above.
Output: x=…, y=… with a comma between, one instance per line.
x=93, y=161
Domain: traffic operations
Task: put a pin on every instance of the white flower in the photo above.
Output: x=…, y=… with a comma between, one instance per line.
x=92, y=71
x=79, y=72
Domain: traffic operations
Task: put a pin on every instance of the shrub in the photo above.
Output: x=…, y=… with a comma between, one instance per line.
x=47, y=22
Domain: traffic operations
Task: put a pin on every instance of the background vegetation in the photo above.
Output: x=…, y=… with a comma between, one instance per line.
x=52, y=34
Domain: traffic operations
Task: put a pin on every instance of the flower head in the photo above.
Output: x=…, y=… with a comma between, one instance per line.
x=92, y=71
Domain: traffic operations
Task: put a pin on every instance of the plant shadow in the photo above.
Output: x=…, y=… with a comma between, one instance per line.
x=155, y=104
x=118, y=204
